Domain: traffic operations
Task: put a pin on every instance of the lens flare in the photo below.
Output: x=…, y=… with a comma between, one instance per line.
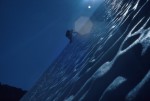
x=83, y=25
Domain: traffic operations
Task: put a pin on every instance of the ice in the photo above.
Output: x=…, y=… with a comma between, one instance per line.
x=111, y=63
x=145, y=41
x=102, y=70
x=116, y=83
x=133, y=93
x=136, y=5
x=93, y=60
x=70, y=98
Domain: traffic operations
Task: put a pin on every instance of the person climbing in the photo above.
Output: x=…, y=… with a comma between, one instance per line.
x=69, y=35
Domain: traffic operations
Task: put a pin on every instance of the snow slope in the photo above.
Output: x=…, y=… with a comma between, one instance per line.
x=112, y=63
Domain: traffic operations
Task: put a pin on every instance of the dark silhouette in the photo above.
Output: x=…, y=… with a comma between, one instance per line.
x=8, y=93
x=69, y=35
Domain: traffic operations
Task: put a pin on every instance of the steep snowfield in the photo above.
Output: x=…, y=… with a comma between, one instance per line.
x=112, y=63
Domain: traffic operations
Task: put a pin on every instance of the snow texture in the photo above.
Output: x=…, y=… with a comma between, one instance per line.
x=112, y=63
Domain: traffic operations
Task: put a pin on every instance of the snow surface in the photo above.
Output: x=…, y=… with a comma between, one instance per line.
x=112, y=63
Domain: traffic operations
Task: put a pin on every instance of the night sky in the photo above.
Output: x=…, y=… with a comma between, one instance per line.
x=32, y=34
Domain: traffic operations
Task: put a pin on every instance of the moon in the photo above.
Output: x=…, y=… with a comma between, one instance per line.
x=89, y=6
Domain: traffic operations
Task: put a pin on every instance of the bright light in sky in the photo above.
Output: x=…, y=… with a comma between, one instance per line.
x=89, y=6
x=92, y=3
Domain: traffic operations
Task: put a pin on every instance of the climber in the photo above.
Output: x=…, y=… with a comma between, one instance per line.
x=69, y=34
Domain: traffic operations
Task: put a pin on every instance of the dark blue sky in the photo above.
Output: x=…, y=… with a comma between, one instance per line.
x=32, y=34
